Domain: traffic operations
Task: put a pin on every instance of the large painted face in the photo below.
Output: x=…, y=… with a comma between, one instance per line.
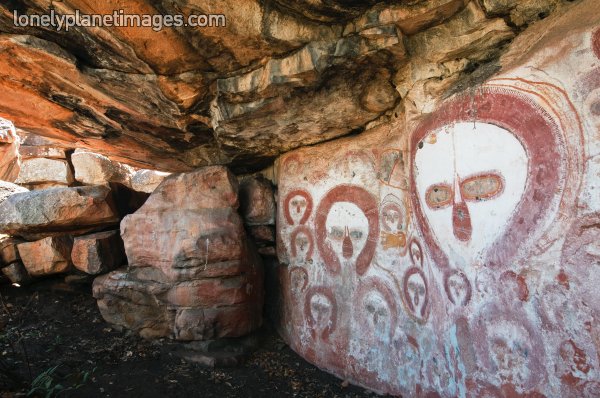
x=468, y=188
x=347, y=230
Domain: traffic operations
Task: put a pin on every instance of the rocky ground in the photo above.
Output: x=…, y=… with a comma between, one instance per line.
x=53, y=337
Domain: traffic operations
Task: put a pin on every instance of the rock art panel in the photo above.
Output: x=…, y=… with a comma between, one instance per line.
x=456, y=254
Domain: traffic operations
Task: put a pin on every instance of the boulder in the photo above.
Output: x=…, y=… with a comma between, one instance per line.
x=39, y=171
x=56, y=210
x=257, y=201
x=98, y=253
x=8, y=188
x=147, y=180
x=51, y=255
x=8, y=250
x=192, y=273
x=95, y=169
x=9, y=151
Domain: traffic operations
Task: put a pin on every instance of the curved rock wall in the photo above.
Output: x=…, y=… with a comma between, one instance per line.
x=456, y=254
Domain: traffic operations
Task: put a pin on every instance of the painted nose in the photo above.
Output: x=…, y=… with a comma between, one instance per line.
x=461, y=218
x=347, y=248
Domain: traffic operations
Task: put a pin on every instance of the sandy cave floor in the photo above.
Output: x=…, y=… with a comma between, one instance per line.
x=74, y=353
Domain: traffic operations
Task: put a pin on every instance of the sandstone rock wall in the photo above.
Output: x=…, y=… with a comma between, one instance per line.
x=455, y=253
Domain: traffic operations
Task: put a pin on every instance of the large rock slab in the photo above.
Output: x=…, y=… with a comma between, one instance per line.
x=192, y=273
x=47, y=256
x=42, y=171
x=98, y=253
x=57, y=210
x=95, y=169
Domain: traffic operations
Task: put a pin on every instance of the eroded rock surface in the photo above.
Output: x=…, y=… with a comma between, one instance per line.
x=192, y=274
x=279, y=75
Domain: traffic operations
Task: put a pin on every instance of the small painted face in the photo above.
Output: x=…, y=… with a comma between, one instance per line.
x=297, y=208
x=347, y=230
x=416, y=254
x=468, y=190
x=458, y=288
x=416, y=292
x=378, y=315
x=321, y=311
x=298, y=280
x=303, y=244
x=391, y=218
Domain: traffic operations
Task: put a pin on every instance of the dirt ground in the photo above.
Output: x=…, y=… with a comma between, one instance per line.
x=52, y=337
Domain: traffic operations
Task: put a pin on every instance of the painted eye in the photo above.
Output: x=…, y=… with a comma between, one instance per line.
x=438, y=196
x=482, y=187
x=336, y=233
x=355, y=234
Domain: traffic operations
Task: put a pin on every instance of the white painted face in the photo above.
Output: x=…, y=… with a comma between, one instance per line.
x=417, y=293
x=302, y=246
x=470, y=181
x=321, y=311
x=347, y=230
x=378, y=315
x=458, y=288
x=297, y=208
